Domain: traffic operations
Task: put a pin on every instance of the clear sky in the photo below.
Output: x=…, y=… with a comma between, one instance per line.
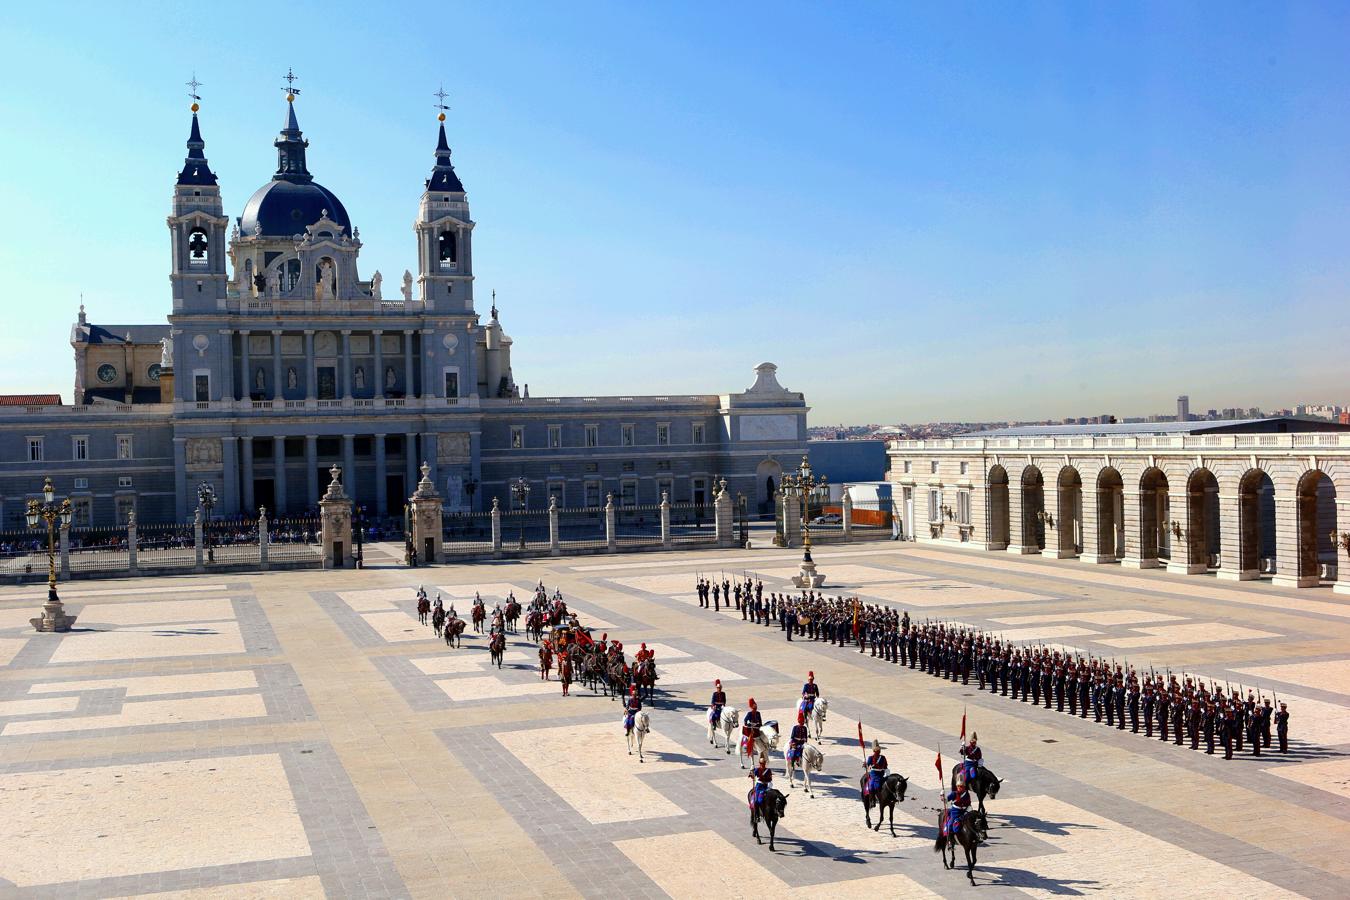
x=920, y=212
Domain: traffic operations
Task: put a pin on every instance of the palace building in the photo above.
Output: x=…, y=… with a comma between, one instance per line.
x=279, y=359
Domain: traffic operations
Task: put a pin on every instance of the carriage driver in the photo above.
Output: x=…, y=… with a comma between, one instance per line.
x=797, y=740
x=632, y=706
x=750, y=726
x=974, y=757
x=763, y=777
x=960, y=802
x=719, y=700
x=810, y=693
x=877, y=769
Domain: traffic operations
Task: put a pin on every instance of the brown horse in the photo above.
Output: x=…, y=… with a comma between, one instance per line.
x=423, y=607
x=497, y=648
x=454, y=630
x=512, y=615
x=479, y=614
x=438, y=621
x=644, y=676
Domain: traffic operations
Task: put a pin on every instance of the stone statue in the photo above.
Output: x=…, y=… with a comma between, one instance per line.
x=375, y=281
x=330, y=275
x=390, y=377
x=407, y=286
x=292, y=380
x=166, y=353
x=260, y=380
x=274, y=282
x=359, y=378
x=259, y=284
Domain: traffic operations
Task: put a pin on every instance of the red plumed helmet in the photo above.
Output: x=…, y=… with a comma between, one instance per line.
x=801, y=718
x=752, y=702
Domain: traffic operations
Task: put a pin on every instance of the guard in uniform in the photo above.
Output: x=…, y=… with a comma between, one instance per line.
x=877, y=768
x=715, y=706
x=631, y=708
x=1134, y=706
x=1282, y=727
x=763, y=777
x=797, y=741
x=750, y=726
x=810, y=693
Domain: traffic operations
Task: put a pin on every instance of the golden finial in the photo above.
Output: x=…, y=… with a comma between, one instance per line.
x=195, y=107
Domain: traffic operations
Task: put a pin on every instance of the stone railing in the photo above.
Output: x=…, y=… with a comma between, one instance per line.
x=1323, y=440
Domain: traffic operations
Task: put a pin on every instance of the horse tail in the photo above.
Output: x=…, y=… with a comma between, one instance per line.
x=940, y=844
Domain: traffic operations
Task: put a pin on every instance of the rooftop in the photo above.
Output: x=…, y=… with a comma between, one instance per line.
x=1274, y=425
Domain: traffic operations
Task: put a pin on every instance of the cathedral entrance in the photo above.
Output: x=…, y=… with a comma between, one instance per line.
x=395, y=496
x=264, y=494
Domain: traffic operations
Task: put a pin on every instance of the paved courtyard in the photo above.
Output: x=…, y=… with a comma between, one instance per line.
x=300, y=734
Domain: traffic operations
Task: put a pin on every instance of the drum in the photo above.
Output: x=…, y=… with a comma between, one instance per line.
x=748, y=731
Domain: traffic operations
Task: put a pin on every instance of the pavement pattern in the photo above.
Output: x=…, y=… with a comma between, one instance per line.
x=301, y=734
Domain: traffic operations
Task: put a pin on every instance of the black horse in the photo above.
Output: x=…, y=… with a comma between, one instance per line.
x=983, y=785
x=771, y=810
x=497, y=648
x=891, y=792
x=973, y=829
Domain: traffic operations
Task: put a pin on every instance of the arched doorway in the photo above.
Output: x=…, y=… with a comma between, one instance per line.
x=1069, y=515
x=1256, y=524
x=1315, y=519
x=1199, y=547
x=999, y=524
x=1155, y=525
x=768, y=475
x=1110, y=515
x=1033, y=507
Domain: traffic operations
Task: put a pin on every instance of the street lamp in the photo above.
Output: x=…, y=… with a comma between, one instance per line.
x=470, y=488
x=53, y=616
x=802, y=484
x=520, y=489
x=206, y=496
x=359, y=520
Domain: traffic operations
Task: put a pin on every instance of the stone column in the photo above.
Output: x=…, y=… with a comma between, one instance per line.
x=1231, y=539
x=426, y=520
x=229, y=454
x=335, y=516
x=428, y=383
x=554, y=545
x=227, y=338
x=378, y=374
x=496, y=517
x=1189, y=553
x=249, y=505
x=792, y=519
x=311, y=470
x=65, y=552
x=180, y=486
x=131, y=543
x=1134, y=528
x=311, y=374
x=245, y=365
x=848, y=515
x=410, y=459
x=665, y=520
x=344, y=366
x=1093, y=540
x=349, y=467
x=381, y=477
x=1053, y=531
x=264, y=538
x=723, y=514
x=611, y=541
x=408, y=370
x=278, y=385
x=1287, y=572
x=1021, y=538
x=1341, y=583
x=197, y=540
x=278, y=474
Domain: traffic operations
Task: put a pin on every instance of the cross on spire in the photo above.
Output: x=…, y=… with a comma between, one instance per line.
x=290, y=78
x=440, y=96
x=192, y=88
x=494, y=304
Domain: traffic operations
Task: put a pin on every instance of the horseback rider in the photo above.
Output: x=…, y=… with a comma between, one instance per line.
x=763, y=777
x=438, y=604
x=719, y=700
x=810, y=693
x=797, y=741
x=974, y=757
x=959, y=802
x=877, y=769
x=750, y=726
x=632, y=706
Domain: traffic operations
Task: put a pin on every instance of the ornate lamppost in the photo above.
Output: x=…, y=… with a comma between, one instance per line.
x=520, y=490
x=47, y=510
x=206, y=496
x=802, y=484
x=471, y=488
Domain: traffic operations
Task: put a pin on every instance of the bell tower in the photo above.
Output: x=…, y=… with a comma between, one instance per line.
x=444, y=234
x=197, y=227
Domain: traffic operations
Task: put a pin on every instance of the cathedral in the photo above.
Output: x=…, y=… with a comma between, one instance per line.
x=280, y=359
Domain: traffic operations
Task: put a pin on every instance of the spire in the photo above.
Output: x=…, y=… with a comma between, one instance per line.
x=291, y=142
x=443, y=177
x=196, y=171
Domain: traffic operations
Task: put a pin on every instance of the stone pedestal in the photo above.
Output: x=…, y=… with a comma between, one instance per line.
x=848, y=515
x=264, y=537
x=792, y=520
x=496, y=518
x=53, y=616
x=131, y=543
x=611, y=533
x=335, y=517
x=723, y=519
x=807, y=577
x=554, y=541
x=198, y=532
x=427, y=534
x=665, y=521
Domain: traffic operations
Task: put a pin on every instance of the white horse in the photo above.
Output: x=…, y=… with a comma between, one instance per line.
x=766, y=740
x=816, y=720
x=641, y=725
x=727, y=725
x=812, y=761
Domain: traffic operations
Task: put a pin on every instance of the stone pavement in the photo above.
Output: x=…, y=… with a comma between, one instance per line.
x=301, y=734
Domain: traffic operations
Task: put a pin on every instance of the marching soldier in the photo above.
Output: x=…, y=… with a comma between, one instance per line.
x=1134, y=706
x=1209, y=729
x=1282, y=727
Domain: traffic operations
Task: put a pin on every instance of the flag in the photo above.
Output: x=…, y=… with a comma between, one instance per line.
x=855, y=618
x=938, y=764
x=963, y=726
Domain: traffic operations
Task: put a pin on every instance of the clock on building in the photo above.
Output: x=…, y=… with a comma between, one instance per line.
x=153, y=372
x=107, y=373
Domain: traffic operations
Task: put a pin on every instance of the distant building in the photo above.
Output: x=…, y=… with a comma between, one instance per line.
x=847, y=461
x=1183, y=408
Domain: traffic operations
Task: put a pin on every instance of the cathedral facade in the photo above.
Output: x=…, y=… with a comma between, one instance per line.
x=279, y=360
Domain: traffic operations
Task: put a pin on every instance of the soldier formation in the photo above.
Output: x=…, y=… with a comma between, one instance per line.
x=1181, y=708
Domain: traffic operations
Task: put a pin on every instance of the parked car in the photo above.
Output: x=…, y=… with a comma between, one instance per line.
x=828, y=519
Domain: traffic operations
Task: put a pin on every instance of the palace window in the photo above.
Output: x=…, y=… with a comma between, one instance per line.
x=628, y=493
x=555, y=436
x=592, y=493
x=935, y=506
x=698, y=433
x=933, y=467
x=665, y=487
x=627, y=433
x=629, y=465
x=965, y=468
x=517, y=437
x=909, y=467
x=125, y=507
x=81, y=512
x=963, y=507
x=201, y=388
x=124, y=446
x=81, y=484
x=592, y=435
x=451, y=385
x=80, y=447
x=557, y=492
x=35, y=449
x=663, y=434
x=592, y=467
x=124, y=481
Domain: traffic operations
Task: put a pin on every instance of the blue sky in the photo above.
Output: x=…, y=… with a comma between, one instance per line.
x=920, y=212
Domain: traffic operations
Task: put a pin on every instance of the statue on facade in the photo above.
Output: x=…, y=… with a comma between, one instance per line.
x=359, y=378
x=166, y=353
x=390, y=377
x=260, y=380
x=407, y=286
x=274, y=283
x=376, y=280
x=292, y=380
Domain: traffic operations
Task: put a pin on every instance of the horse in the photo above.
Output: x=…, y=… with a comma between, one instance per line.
x=545, y=661
x=423, y=607
x=454, y=631
x=497, y=648
x=512, y=614
x=891, y=792
x=771, y=810
x=644, y=676
x=974, y=828
x=984, y=784
x=812, y=760
x=438, y=621
x=767, y=739
x=727, y=723
x=617, y=679
x=534, y=625
x=479, y=614
x=641, y=725
x=815, y=720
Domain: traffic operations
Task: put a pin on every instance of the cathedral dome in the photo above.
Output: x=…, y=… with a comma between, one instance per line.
x=286, y=208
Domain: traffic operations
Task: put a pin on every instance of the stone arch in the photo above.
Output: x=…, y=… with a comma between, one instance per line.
x=1315, y=520
x=1199, y=546
x=1000, y=526
x=1256, y=522
x=1110, y=514
x=1033, y=506
x=768, y=475
x=1069, y=516
x=1155, y=536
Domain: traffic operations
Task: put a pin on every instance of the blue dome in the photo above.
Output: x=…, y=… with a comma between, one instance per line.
x=285, y=208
